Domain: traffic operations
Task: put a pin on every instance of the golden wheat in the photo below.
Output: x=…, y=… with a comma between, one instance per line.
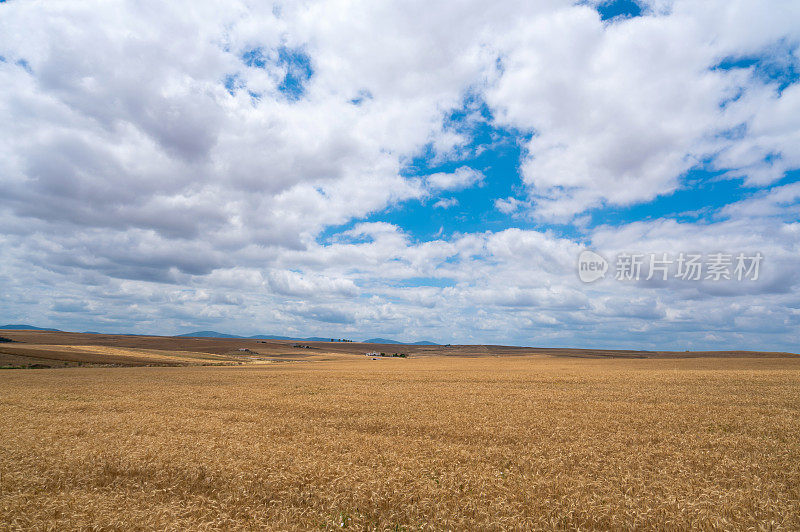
x=420, y=444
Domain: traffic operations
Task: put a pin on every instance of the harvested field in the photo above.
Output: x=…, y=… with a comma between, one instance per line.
x=65, y=349
x=425, y=443
x=58, y=349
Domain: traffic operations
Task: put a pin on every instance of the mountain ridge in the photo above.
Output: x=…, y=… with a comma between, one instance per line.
x=21, y=327
x=215, y=334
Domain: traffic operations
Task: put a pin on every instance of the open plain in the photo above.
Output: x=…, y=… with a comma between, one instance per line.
x=323, y=437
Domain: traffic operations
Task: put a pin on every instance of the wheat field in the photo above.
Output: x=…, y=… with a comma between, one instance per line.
x=436, y=443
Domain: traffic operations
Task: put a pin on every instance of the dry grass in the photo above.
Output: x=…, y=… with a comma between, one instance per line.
x=121, y=355
x=74, y=349
x=59, y=349
x=426, y=443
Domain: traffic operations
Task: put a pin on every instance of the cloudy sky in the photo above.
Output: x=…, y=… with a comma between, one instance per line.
x=411, y=170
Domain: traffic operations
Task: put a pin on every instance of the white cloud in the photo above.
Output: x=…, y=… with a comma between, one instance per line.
x=462, y=178
x=291, y=283
x=147, y=197
x=508, y=205
x=445, y=203
x=620, y=111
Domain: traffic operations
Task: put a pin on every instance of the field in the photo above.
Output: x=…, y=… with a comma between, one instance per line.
x=42, y=349
x=314, y=438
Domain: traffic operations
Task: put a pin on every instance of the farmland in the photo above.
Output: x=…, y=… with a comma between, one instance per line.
x=493, y=439
x=44, y=349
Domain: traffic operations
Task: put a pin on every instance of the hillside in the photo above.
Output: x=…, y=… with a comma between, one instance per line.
x=39, y=348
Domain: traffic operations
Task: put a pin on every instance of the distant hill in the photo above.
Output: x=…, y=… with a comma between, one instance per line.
x=388, y=341
x=273, y=337
x=208, y=334
x=28, y=328
x=215, y=334
x=381, y=341
x=269, y=337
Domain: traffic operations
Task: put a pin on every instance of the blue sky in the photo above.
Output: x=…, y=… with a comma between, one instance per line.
x=260, y=170
x=493, y=151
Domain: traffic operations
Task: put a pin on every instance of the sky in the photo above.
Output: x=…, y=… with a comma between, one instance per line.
x=410, y=170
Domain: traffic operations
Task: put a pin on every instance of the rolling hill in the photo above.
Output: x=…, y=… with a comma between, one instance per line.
x=16, y=327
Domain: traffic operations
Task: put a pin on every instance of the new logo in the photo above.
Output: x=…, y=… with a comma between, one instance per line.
x=591, y=266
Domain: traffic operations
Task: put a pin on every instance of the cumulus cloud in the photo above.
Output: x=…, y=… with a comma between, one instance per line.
x=291, y=283
x=461, y=178
x=507, y=205
x=176, y=166
x=445, y=203
x=621, y=111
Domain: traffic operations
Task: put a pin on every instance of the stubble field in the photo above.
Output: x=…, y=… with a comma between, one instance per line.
x=425, y=443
